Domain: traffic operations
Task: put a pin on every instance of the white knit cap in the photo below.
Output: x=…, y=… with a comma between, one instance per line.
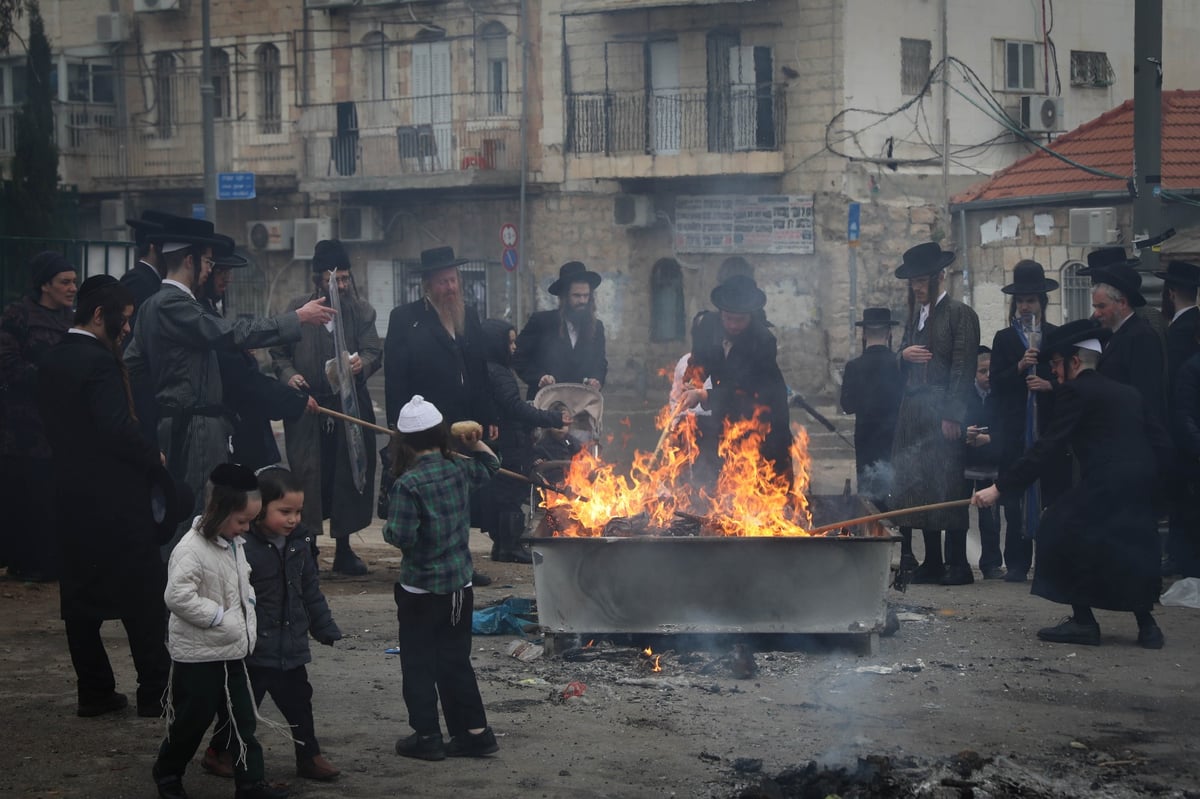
x=1092, y=344
x=418, y=415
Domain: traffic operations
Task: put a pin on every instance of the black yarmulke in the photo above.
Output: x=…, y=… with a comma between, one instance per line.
x=234, y=475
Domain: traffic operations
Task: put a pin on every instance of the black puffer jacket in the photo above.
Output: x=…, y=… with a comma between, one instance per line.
x=288, y=600
x=516, y=416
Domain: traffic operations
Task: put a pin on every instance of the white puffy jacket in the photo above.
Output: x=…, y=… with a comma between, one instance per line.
x=210, y=599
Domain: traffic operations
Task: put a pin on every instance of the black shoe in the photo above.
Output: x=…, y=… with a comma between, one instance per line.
x=479, y=579
x=958, y=575
x=346, y=563
x=422, y=747
x=927, y=574
x=260, y=790
x=98, y=707
x=1151, y=637
x=1015, y=576
x=1072, y=632
x=995, y=573
x=468, y=745
x=170, y=786
x=513, y=555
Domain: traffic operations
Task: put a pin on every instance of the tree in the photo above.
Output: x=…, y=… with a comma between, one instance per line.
x=34, y=190
x=10, y=14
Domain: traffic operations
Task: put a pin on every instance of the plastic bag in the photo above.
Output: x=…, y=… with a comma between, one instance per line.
x=1184, y=593
x=504, y=618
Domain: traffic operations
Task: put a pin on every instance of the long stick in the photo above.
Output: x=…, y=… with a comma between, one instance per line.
x=345, y=417
x=670, y=425
x=887, y=515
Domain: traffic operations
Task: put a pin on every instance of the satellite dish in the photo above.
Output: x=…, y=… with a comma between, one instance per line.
x=1048, y=114
x=260, y=237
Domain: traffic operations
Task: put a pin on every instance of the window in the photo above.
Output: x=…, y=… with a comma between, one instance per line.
x=915, y=65
x=164, y=94
x=89, y=82
x=375, y=46
x=222, y=95
x=1090, y=69
x=666, y=301
x=495, y=67
x=1076, y=292
x=472, y=278
x=1020, y=65
x=270, y=112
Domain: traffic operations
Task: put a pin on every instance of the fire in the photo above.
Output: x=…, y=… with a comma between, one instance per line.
x=749, y=499
x=655, y=665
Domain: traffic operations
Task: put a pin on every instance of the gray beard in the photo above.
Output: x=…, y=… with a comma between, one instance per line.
x=453, y=314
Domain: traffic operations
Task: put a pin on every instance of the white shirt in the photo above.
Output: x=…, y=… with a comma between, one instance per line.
x=925, y=312
x=573, y=333
x=1181, y=312
x=169, y=282
x=79, y=332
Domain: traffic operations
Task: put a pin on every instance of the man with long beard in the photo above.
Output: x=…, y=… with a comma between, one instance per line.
x=564, y=345
x=435, y=348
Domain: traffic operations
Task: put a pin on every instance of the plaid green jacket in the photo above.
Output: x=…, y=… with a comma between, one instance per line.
x=429, y=519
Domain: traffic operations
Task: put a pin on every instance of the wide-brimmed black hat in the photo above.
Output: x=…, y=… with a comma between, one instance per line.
x=191, y=233
x=170, y=503
x=438, y=258
x=573, y=272
x=1063, y=340
x=739, y=294
x=1181, y=273
x=1124, y=278
x=230, y=261
x=330, y=256
x=924, y=259
x=1029, y=277
x=877, y=317
x=1105, y=257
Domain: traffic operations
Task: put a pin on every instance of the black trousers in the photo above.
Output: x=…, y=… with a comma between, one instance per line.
x=29, y=543
x=989, y=532
x=435, y=657
x=147, y=644
x=1018, y=550
x=292, y=694
x=197, y=690
x=1183, y=536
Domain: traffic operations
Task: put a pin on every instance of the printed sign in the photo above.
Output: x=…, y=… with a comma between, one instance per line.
x=742, y=223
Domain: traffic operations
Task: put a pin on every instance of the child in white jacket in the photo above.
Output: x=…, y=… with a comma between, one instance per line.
x=212, y=629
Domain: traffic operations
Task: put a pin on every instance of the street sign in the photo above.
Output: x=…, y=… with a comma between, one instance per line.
x=508, y=235
x=235, y=186
x=199, y=211
x=852, y=224
x=509, y=259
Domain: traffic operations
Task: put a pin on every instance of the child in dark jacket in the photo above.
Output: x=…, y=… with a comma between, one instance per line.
x=289, y=607
x=981, y=459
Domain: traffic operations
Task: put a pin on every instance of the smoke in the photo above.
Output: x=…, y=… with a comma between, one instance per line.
x=876, y=480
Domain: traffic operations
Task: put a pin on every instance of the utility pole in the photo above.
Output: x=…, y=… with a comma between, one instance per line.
x=945, y=17
x=1147, y=125
x=206, y=114
x=522, y=233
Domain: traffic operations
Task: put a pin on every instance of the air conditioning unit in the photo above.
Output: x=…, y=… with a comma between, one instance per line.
x=150, y=6
x=307, y=232
x=633, y=210
x=270, y=234
x=1090, y=227
x=328, y=3
x=112, y=214
x=1042, y=114
x=359, y=223
x=111, y=28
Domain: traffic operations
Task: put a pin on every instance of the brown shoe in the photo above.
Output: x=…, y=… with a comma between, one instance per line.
x=317, y=769
x=218, y=764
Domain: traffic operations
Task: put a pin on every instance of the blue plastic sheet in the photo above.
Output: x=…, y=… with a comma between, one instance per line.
x=506, y=618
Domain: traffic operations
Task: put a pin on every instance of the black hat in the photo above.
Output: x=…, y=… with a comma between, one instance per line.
x=234, y=475
x=573, y=272
x=1064, y=339
x=93, y=284
x=438, y=258
x=1181, y=273
x=1105, y=257
x=45, y=265
x=876, y=317
x=181, y=230
x=230, y=261
x=1123, y=278
x=151, y=222
x=924, y=259
x=739, y=294
x=329, y=256
x=170, y=503
x=983, y=350
x=1029, y=278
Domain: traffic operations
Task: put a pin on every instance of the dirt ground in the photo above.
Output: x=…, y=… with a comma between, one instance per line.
x=962, y=701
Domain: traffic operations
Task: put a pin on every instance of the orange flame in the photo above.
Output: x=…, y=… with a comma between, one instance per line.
x=749, y=499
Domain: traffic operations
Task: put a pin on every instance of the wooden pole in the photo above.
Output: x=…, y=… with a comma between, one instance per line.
x=889, y=514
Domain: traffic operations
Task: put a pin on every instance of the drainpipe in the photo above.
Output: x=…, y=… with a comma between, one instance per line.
x=522, y=234
x=968, y=286
x=206, y=110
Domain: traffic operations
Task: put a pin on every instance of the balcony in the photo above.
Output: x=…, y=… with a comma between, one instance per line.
x=676, y=132
x=436, y=142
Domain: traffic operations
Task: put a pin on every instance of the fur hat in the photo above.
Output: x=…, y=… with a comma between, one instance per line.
x=329, y=256
x=418, y=415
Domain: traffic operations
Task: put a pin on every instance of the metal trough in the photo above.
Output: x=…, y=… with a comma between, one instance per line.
x=714, y=584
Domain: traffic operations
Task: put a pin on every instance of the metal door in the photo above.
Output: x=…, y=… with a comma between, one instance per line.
x=665, y=107
x=433, y=102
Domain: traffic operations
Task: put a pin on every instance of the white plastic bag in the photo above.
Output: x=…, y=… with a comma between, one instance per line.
x=1184, y=593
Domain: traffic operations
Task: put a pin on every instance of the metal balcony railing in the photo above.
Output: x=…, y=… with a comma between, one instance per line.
x=671, y=121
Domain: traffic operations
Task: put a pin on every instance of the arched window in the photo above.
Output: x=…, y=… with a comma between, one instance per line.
x=270, y=101
x=493, y=64
x=735, y=265
x=222, y=94
x=164, y=94
x=1076, y=292
x=376, y=67
x=666, y=301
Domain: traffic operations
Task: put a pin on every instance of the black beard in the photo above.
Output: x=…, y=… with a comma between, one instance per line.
x=579, y=316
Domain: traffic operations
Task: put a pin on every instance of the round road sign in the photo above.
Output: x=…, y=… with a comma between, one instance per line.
x=508, y=235
x=509, y=259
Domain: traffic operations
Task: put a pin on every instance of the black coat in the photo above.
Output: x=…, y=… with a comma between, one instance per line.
x=981, y=413
x=419, y=357
x=1098, y=543
x=1134, y=356
x=255, y=399
x=143, y=282
x=111, y=563
x=515, y=416
x=871, y=390
x=1181, y=345
x=544, y=348
x=1185, y=418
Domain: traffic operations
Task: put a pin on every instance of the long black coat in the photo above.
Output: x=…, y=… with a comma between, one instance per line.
x=255, y=399
x=1181, y=345
x=143, y=282
x=111, y=563
x=871, y=389
x=1185, y=418
x=419, y=357
x=1098, y=543
x=1134, y=356
x=544, y=348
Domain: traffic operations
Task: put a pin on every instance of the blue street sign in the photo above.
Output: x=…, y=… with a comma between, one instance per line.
x=235, y=186
x=199, y=211
x=509, y=259
x=852, y=224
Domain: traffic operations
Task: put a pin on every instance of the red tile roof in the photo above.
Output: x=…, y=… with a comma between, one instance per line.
x=1104, y=143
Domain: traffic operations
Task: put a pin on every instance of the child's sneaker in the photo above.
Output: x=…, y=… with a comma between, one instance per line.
x=422, y=747
x=468, y=745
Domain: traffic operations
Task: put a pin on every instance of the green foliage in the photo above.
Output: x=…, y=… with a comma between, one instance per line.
x=10, y=14
x=34, y=188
